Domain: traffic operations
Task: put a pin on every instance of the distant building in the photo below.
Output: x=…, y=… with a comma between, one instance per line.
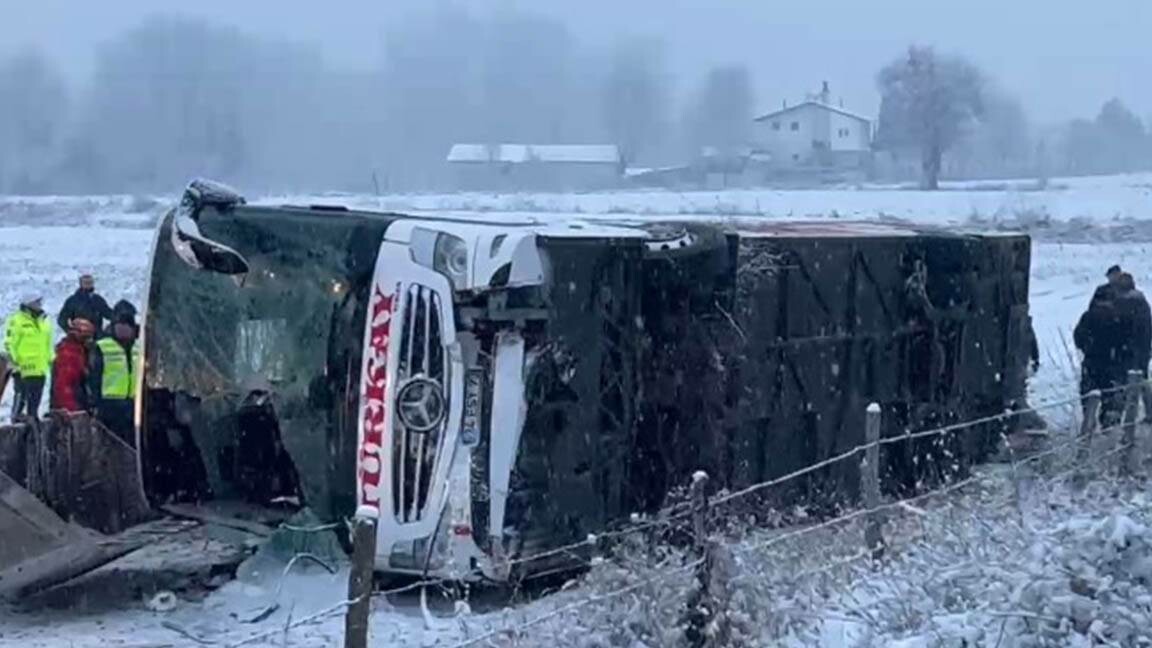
x=815, y=135
x=536, y=167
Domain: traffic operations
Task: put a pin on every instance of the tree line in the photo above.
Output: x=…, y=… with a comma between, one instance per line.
x=177, y=97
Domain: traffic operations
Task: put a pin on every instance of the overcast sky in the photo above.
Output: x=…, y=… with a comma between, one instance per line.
x=1063, y=58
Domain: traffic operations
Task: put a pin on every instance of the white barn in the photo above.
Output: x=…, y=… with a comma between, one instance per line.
x=536, y=167
x=815, y=134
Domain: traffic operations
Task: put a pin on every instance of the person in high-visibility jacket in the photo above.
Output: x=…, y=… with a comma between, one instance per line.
x=113, y=372
x=28, y=342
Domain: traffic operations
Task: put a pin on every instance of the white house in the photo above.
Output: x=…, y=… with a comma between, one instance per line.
x=535, y=167
x=815, y=133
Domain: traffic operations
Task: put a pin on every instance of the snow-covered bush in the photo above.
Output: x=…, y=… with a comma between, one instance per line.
x=1090, y=579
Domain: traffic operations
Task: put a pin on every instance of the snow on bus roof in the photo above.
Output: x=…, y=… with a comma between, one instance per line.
x=791, y=229
x=521, y=153
x=630, y=225
x=860, y=229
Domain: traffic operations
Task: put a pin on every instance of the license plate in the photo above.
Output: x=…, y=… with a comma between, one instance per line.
x=473, y=400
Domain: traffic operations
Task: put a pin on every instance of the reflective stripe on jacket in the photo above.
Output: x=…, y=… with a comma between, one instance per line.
x=118, y=381
x=28, y=341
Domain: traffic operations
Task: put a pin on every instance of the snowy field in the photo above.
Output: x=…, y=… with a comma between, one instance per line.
x=1023, y=558
x=1099, y=200
x=1103, y=199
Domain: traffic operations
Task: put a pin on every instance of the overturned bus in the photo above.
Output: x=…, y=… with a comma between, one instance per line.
x=500, y=386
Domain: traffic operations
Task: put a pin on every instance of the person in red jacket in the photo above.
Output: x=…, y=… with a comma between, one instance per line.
x=70, y=369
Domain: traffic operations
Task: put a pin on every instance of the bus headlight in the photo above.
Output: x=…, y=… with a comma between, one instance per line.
x=452, y=258
x=444, y=253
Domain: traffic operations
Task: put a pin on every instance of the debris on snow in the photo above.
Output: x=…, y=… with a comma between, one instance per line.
x=162, y=602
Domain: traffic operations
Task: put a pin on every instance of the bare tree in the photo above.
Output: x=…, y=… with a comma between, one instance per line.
x=179, y=97
x=1115, y=141
x=634, y=98
x=1004, y=132
x=526, y=78
x=720, y=116
x=432, y=94
x=1082, y=150
x=1001, y=143
x=32, y=114
x=1122, y=136
x=927, y=102
x=507, y=78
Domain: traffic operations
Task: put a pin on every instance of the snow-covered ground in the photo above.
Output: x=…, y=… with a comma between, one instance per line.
x=970, y=566
x=1099, y=199
x=1070, y=565
x=1096, y=199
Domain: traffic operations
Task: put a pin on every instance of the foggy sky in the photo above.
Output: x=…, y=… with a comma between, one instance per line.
x=1062, y=58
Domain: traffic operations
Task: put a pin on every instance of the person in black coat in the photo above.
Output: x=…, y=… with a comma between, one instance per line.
x=85, y=304
x=1135, y=326
x=1115, y=336
x=126, y=313
x=1106, y=291
x=1097, y=336
x=1135, y=317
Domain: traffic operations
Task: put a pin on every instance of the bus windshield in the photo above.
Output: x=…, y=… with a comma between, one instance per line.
x=285, y=335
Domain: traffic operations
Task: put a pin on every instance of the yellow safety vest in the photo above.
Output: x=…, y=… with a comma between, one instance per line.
x=119, y=379
x=28, y=341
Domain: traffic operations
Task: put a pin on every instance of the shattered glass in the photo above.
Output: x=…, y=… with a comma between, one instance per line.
x=289, y=328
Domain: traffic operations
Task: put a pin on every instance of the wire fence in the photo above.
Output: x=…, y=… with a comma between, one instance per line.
x=577, y=605
x=908, y=504
x=233, y=641
x=576, y=553
x=669, y=519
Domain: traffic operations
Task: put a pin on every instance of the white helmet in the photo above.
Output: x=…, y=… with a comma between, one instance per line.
x=31, y=298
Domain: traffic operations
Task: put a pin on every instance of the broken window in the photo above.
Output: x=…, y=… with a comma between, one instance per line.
x=289, y=329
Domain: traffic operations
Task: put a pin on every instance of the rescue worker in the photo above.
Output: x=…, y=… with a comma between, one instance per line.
x=70, y=369
x=114, y=368
x=85, y=303
x=28, y=342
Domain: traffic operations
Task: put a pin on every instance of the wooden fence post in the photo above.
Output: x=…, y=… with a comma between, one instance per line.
x=1089, y=426
x=870, y=483
x=700, y=609
x=360, y=578
x=1131, y=413
x=1091, y=420
x=699, y=494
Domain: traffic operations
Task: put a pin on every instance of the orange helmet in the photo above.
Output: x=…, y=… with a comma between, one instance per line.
x=82, y=327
